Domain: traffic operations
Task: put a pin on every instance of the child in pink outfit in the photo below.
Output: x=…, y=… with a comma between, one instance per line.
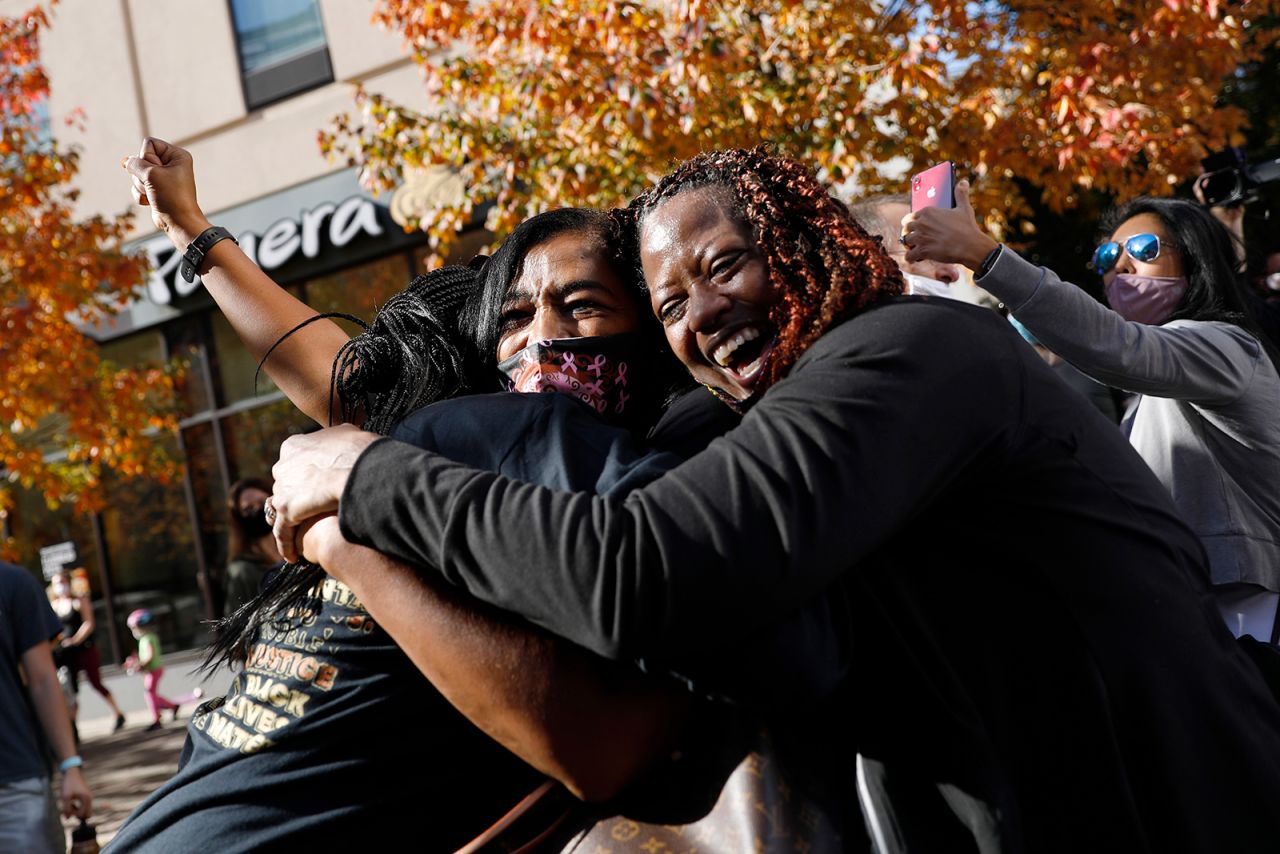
x=149, y=662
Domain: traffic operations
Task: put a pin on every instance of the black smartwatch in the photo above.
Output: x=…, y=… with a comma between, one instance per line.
x=989, y=261
x=198, y=248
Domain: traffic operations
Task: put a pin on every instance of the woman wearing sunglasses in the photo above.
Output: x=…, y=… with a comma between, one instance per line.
x=1179, y=334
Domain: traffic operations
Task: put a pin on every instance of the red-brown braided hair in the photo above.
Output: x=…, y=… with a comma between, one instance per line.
x=825, y=266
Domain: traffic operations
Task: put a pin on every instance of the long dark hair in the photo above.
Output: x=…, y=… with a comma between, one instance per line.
x=1216, y=288
x=614, y=235
x=825, y=265
x=1207, y=252
x=481, y=317
x=409, y=356
x=412, y=354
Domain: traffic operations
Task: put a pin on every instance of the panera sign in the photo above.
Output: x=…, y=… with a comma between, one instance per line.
x=311, y=233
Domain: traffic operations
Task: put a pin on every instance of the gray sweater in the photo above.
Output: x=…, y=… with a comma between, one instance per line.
x=1207, y=421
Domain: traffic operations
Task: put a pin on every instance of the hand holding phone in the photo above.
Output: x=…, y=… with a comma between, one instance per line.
x=934, y=187
x=946, y=235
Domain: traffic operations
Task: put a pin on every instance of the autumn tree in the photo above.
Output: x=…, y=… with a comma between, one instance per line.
x=67, y=416
x=546, y=103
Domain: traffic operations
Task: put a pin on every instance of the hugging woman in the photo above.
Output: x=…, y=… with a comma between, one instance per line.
x=312, y=742
x=992, y=540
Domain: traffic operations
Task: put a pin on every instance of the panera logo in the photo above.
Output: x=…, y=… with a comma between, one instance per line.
x=326, y=226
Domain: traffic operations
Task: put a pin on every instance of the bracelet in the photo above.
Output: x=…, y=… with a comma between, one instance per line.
x=198, y=248
x=70, y=762
x=989, y=261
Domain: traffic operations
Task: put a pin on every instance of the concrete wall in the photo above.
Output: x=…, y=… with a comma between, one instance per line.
x=356, y=46
x=87, y=56
x=170, y=68
x=187, y=64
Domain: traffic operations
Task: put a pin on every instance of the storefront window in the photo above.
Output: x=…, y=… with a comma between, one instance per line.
x=359, y=290
x=210, y=496
x=144, y=350
x=469, y=244
x=236, y=366
x=34, y=526
x=186, y=343
x=151, y=555
x=253, y=437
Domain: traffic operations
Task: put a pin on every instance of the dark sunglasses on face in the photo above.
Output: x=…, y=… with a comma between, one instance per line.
x=1141, y=247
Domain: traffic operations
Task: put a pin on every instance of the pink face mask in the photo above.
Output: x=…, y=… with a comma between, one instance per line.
x=1145, y=299
x=592, y=369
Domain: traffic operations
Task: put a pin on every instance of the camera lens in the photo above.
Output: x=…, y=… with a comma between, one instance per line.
x=1220, y=187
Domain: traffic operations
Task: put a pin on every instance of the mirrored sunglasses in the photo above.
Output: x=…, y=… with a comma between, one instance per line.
x=1141, y=247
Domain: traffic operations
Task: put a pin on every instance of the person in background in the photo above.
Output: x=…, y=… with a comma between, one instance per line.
x=34, y=723
x=1179, y=333
x=252, y=551
x=148, y=661
x=881, y=216
x=1261, y=301
x=77, y=651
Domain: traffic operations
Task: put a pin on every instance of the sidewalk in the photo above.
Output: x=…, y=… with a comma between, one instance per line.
x=124, y=767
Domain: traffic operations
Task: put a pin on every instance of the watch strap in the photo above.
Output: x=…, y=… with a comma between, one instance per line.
x=193, y=258
x=989, y=261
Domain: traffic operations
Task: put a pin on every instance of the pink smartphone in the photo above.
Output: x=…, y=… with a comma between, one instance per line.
x=934, y=187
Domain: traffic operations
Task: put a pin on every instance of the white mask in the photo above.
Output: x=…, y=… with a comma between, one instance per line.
x=926, y=287
x=1273, y=281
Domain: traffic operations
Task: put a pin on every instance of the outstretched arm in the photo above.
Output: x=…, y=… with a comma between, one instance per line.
x=594, y=725
x=259, y=310
x=1206, y=363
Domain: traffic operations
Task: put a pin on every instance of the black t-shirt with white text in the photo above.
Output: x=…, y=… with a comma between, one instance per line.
x=330, y=735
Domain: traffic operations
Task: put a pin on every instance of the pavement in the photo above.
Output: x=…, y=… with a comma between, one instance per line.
x=124, y=767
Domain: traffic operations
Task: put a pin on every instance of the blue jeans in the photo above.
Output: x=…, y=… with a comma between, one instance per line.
x=29, y=822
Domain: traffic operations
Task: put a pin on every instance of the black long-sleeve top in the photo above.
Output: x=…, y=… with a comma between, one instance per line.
x=902, y=418
x=1054, y=645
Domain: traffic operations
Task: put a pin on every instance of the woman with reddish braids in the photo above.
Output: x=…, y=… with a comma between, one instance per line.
x=990, y=541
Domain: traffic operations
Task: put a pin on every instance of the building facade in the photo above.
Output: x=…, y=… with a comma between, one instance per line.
x=245, y=85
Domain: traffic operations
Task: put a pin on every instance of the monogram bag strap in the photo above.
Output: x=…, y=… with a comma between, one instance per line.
x=535, y=819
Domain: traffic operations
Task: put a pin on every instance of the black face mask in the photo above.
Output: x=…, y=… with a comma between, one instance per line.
x=255, y=523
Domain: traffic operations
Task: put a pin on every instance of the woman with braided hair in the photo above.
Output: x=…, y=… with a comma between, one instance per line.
x=409, y=356
x=325, y=697
x=328, y=717
x=990, y=540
